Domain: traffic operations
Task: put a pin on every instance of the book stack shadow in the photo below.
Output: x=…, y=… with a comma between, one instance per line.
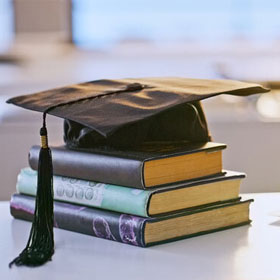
x=149, y=195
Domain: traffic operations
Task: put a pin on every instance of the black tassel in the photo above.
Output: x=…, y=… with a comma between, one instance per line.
x=40, y=245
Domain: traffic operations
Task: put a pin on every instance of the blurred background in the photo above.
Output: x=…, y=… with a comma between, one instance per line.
x=50, y=43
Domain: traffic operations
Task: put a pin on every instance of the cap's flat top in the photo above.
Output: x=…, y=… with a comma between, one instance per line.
x=106, y=105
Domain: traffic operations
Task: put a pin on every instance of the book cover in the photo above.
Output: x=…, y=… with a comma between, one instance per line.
x=146, y=166
x=132, y=229
x=130, y=200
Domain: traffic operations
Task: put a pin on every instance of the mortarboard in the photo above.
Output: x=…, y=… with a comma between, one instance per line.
x=116, y=113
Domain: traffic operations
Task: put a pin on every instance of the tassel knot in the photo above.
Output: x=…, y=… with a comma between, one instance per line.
x=44, y=137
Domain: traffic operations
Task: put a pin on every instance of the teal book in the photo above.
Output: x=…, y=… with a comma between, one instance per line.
x=145, y=203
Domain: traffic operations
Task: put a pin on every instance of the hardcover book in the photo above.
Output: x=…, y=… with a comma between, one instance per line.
x=136, y=230
x=143, y=167
x=133, y=201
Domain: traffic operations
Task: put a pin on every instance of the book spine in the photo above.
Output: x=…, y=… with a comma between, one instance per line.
x=89, y=193
x=99, y=223
x=93, y=167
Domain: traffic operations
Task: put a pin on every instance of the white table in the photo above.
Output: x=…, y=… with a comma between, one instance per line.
x=248, y=252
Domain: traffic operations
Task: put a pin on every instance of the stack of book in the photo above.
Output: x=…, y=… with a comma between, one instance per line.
x=149, y=195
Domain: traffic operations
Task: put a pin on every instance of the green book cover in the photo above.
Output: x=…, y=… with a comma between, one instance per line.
x=119, y=198
x=111, y=197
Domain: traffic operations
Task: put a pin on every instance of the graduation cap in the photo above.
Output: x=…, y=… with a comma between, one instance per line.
x=116, y=113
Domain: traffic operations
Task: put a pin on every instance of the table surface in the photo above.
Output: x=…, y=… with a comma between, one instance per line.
x=247, y=252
